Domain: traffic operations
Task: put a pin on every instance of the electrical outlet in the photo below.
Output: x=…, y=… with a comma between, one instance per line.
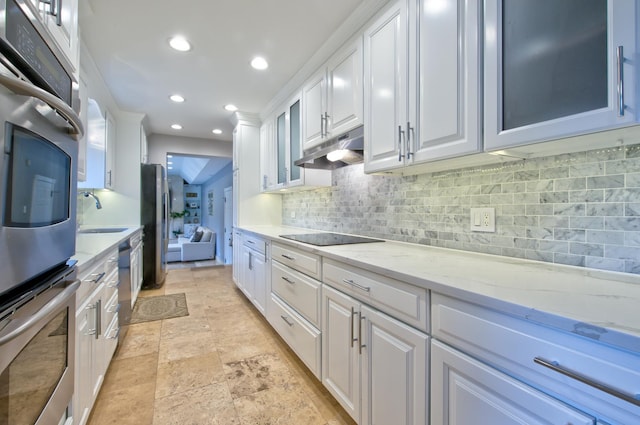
x=483, y=220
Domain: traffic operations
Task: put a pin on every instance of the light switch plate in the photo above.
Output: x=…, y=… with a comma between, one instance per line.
x=483, y=220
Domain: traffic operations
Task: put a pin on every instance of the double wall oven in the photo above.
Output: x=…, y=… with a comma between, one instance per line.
x=39, y=132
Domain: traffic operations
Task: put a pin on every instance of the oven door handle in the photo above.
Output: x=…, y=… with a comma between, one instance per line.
x=27, y=89
x=51, y=307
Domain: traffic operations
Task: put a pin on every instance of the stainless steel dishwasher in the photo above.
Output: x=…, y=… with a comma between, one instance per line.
x=124, y=290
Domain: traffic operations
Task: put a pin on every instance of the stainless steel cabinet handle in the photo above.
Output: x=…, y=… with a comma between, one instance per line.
x=353, y=313
x=352, y=283
x=65, y=111
x=98, y=277
x=98, y=318
x=251, y=242
x=633, y=399
x=620, y=63
x=322, y=126
x=400, y=133
x=286, y=320
x=326, y=124
x=360, y=345
x=250, y=265
x=409, y=132
x=288, y=257
x=289, y=281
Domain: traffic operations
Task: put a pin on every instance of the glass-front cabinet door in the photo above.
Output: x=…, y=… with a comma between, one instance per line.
x=288, y=142
x=557, y=68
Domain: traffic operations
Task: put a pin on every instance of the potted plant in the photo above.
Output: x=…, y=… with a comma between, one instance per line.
x=174, y=215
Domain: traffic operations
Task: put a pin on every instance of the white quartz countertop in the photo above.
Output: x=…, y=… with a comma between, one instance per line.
x=91, y=245
x=597, y=304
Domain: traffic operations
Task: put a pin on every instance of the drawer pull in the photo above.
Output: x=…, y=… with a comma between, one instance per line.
x=352, y=283
x=251, y=242
x=289, y=281
x=98, y=277
x=286, y=320
x=555, y=366
x=288, y=257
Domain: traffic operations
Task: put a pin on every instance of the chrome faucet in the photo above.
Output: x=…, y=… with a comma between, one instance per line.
x=87, y=194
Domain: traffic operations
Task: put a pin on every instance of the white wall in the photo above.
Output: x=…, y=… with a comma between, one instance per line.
x=122, y=205
x=161, y=144
x=216, y=184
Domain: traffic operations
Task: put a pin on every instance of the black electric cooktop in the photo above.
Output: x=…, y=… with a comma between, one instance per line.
x=327, y=239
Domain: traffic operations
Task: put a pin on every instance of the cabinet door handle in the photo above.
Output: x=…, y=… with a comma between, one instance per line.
x=352, y=283
x=409, y=132
x=286, y=320
x=322, y=126
x=289, y=281
x=633, y=399
x=98, y=318
x=250, y=265
x=326, y=124
x=288, y=257
x=400, y=133
x=620, y=63
x=353, y=313
x=360, y=345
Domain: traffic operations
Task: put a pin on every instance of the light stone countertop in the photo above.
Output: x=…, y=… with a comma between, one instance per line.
x=597, y=304
x=90, y=246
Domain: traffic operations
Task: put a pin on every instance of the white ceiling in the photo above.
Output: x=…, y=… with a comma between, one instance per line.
x=128, y=42
x=195, y=169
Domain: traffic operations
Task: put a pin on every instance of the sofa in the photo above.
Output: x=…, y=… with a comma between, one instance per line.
x=200, y=246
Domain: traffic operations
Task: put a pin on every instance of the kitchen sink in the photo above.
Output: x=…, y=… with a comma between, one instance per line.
x=104, y=230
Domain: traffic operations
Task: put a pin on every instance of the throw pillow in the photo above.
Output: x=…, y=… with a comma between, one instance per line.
x=197, y=236
x=206, y=236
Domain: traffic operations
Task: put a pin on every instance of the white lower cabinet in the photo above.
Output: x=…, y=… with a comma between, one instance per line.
x=253, y=271
x=465, y=391
x=96, y=333
x=374, y=365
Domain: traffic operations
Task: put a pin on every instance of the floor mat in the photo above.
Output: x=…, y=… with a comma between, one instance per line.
x=148, y=309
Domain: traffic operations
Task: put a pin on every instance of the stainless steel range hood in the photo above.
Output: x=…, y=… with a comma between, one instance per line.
x=343, y=150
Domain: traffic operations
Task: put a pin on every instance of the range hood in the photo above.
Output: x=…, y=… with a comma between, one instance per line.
x=343, y=150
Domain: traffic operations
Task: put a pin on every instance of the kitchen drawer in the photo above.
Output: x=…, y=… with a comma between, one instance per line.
x=304, y=262
x=254, y=243
x=102, y=270
x=513, y=345
x=405, y=302
x=111, y=334
x=300, y=291
x=302, y=337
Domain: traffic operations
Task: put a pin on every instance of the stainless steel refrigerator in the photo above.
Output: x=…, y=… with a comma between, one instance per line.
x=154, y=210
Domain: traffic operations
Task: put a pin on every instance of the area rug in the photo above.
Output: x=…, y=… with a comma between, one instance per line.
x=148, y=309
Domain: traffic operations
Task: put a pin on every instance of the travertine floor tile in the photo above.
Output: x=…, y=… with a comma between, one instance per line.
x=222, y=365
x=185, y=346
x=126, y=406
x=257, y=373
x=278, y=406
x=141, y=339
x=189, y=373
x=209, y=405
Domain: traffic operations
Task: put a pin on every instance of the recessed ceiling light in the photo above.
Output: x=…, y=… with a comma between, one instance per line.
x=180, y=43
x=259, y=63
x=217, y=131
x=231, y=108
x=169, y=156
x=176, y=126
x=176, y=98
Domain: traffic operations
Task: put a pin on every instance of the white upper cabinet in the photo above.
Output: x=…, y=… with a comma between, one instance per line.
x=422, y=83
x=267, y=165
x=385, y=89
x=557, y=69
x=60, y=17
x=447, y=85
x=332, y=98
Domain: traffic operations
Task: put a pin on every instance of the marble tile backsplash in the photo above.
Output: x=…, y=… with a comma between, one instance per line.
x=580, y=209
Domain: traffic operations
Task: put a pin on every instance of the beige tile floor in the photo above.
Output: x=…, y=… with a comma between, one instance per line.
x=223, y=364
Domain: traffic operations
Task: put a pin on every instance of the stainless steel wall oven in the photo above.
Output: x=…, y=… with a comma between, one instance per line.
x=39, y=130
